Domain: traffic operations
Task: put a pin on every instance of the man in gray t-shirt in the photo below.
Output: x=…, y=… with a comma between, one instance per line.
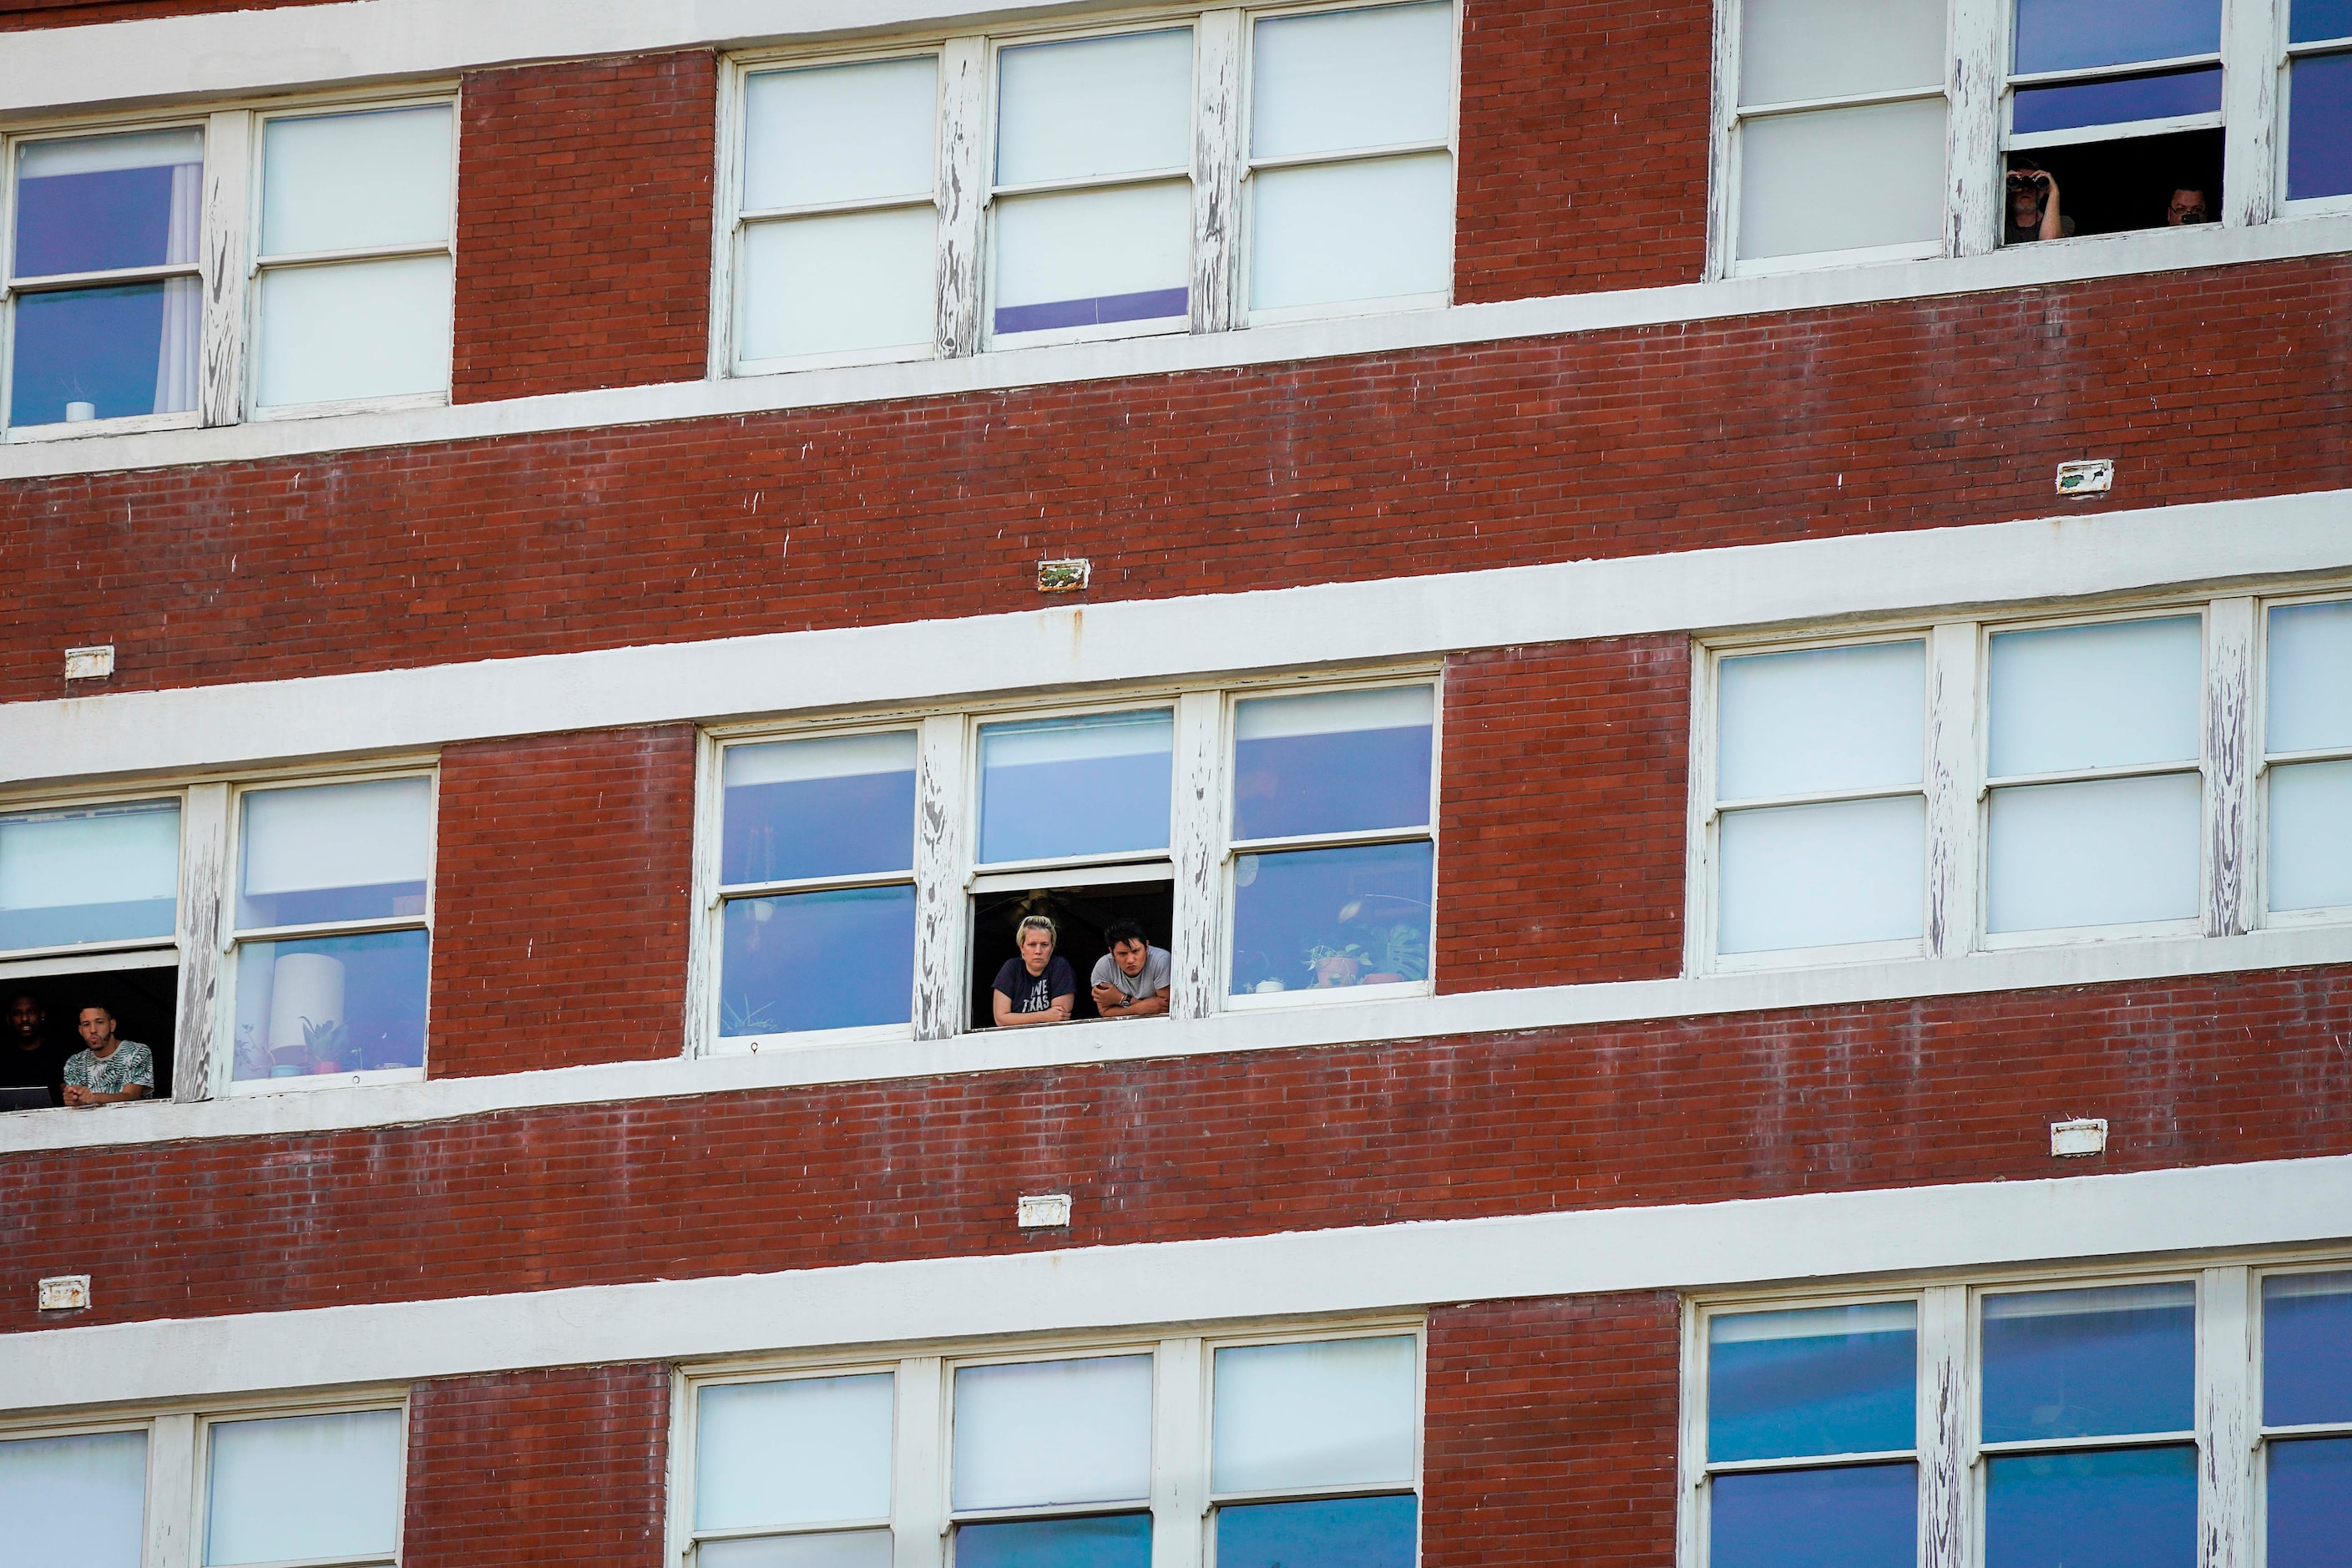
x=1131, y=980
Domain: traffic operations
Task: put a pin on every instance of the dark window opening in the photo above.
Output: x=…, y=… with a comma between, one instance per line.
x=1081, y=914
x=2111, y=187
x=144, y=1002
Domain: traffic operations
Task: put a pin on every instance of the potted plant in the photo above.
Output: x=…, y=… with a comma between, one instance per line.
x=324, y=1043
x=1403, y=956
x=1336, y=965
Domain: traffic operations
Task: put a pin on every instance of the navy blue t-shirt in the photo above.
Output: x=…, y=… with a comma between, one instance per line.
x=1036, y=993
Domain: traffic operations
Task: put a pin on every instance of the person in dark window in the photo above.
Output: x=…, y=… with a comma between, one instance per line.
x=1036, y=987
x=27, y=1058
x=110, y=1070
x=2188, y=205
x=1131, y=980
x=2033, y=205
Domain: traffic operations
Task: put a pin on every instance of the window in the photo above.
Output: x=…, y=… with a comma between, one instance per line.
x=2307, y=1419
x=2318, y=89
x=1195, y=174
x=2307, y=743
x=1333, y=863
x=331, y=929
x=316, y=1486
x=1306, y=1445
x=116, y=319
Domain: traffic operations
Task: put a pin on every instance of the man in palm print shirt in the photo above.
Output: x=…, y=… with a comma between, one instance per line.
x=110, y=1070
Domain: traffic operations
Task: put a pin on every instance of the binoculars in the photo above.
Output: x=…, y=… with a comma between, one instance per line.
x=2030, y=180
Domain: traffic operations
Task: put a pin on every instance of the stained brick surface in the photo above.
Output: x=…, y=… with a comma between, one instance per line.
x=1561, y=856
x=538, y=1469
x=560, y=900
x=1548, y=1433
x=584, y=225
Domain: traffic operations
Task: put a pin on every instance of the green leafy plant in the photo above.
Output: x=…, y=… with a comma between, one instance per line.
x=325, y=1041
x=1405, y=952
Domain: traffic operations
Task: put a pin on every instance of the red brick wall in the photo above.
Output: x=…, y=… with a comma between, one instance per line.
x=548, y=1469
x=1584, y=147
x=1548, y=1433
x=1918, y=415
x=584, y=225
x=561, y=900
x=1560, y=857
x=2200, y=1071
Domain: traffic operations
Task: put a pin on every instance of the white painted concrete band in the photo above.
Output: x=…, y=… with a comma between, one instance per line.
x=1819, y=1236
x=1306, y=1027
x=1032, y=650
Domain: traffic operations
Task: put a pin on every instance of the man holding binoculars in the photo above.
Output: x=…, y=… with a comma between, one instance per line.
x=2033, y=205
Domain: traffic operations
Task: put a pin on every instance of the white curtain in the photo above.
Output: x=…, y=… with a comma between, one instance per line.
x=175, y=360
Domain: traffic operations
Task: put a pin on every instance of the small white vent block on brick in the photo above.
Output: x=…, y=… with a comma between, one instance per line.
x=2090, y=477
x=89, y=663
x=1043, y=1211
x=2069, y=1140
x=65, y=1292
x=1065, y=576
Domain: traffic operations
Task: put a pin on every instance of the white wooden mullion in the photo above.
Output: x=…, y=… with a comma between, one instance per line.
x=1690, y=1514
x=172, y=1500
x=223, y=248
x=706, y=917
x=199, y=1045
x=2231, y=762
x=2226, y=1423
x=1180, y=1481
x=919, y=1515
x=1978, y=48
x=1700, y=893
x=1943, y=1424
x=1722, y=247
x=1196, y=843
x=1954, y=891
x=941, y=903
x=2251, y=45
x=719, y=359
x=963, y=177
x=1216, y=172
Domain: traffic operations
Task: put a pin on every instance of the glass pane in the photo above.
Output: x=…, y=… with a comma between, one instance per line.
x=2115, y=852
x=835, y=808
x=105, y=353
x=2068, y=34
x=103, y=873
x=1820, y=875
x=1339, y=762
x=1107, y=1541
x=1095, y=106
x=1865, y=1516
x=1794, y=49
x=364, y=329
x=2306, y=1349
x=1317, y=918
x=1816, y=1381
x=92, y=203
x=1333, y=1532
x=1894, y=151
x=1344, y=79
x=2105, y=1362
x=1093, y=257
x=2137, y=1509
x=1333, y=1413
x=78, y=1500
x=829, y=285
x=2319, y=127
x=304, y=1487
x=2095, y=697
x=2311, y=853
x=1037, y=1434
x=2310, y=1503
x=335, y=1004
x=2309, y=700
x=1823, y=719
x=2312, y=20
x=1379, y=230
x=1095, y=785
x=840, y=960
x=808, y=1450
x=840, y=133
x=2119, y=101
x=831, y=1549
x=335, y=852
x=351, y=182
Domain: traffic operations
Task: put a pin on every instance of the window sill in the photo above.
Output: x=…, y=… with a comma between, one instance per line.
x=1323, y=996
x=313, y=1083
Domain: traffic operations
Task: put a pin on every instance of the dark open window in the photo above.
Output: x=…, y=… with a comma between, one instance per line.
x=1081, y=914
x=144, y=1002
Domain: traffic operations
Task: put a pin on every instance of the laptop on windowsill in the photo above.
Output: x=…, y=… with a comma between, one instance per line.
x=34, y=1098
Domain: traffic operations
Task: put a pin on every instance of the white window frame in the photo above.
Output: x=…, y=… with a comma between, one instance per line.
x=922, y=1520
x=227, y=237
x=2258, y=1420
x=2289, y=53
x=965, y=191
x=2228, y=1397
x=2259, y=834
x=178, y=1460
